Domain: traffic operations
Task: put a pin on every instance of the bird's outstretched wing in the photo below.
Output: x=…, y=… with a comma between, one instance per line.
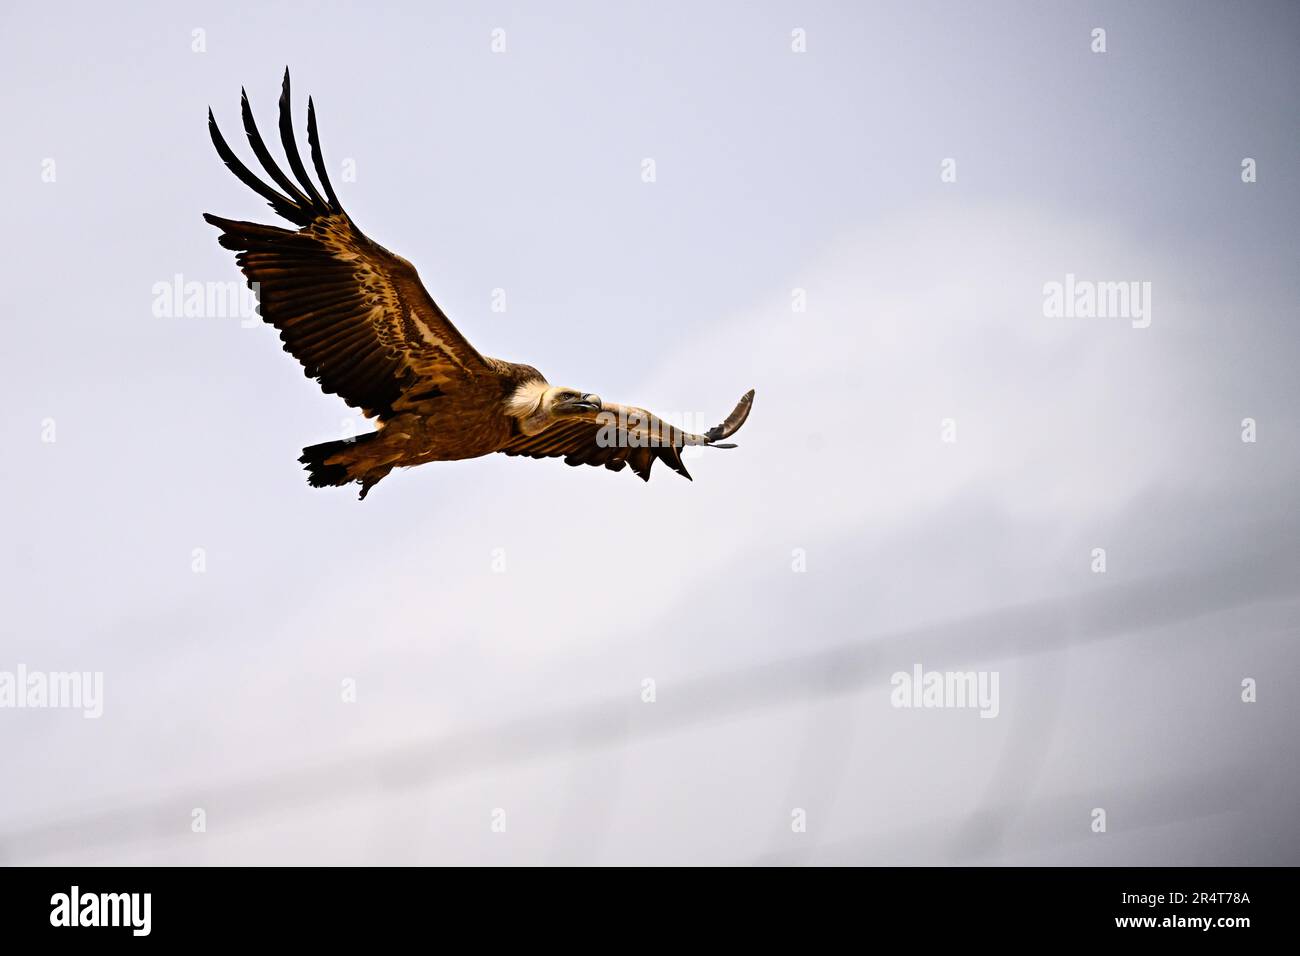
x=354, y=314
x=623, y=435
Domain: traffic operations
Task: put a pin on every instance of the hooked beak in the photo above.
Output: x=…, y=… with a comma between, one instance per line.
x=588, y=403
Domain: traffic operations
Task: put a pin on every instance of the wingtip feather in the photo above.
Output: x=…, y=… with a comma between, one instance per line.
x=733, y=422
x=318, y=158
x=290, y=145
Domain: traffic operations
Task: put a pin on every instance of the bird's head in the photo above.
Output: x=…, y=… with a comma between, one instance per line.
x=571, y=402
x=537, y=406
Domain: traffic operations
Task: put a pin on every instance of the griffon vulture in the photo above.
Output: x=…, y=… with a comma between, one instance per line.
x=362, y=325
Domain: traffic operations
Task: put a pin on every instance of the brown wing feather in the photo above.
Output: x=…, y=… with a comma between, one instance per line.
x=619, y=438
x=354, y=314
x=578, y=444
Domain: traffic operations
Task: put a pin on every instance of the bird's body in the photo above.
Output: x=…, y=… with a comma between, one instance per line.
x=465, y=423
x=362, y=324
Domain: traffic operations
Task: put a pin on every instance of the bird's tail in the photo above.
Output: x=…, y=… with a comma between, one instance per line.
x=335, y=463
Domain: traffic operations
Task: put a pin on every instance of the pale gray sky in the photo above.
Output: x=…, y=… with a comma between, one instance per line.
x=775, y=171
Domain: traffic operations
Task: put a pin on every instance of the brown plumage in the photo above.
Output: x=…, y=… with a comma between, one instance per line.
x=361, y=323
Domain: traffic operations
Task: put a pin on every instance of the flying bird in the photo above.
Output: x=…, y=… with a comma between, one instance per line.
x=364, y=327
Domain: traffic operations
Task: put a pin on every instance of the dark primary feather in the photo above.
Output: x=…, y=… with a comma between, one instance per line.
x=290, y=144
x=285, y=207
x=317, y=160
x=263, y=154
x=356, y=316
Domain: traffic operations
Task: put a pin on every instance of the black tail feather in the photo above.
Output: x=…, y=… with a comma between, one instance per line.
x=321, y=475
x=324, y=474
